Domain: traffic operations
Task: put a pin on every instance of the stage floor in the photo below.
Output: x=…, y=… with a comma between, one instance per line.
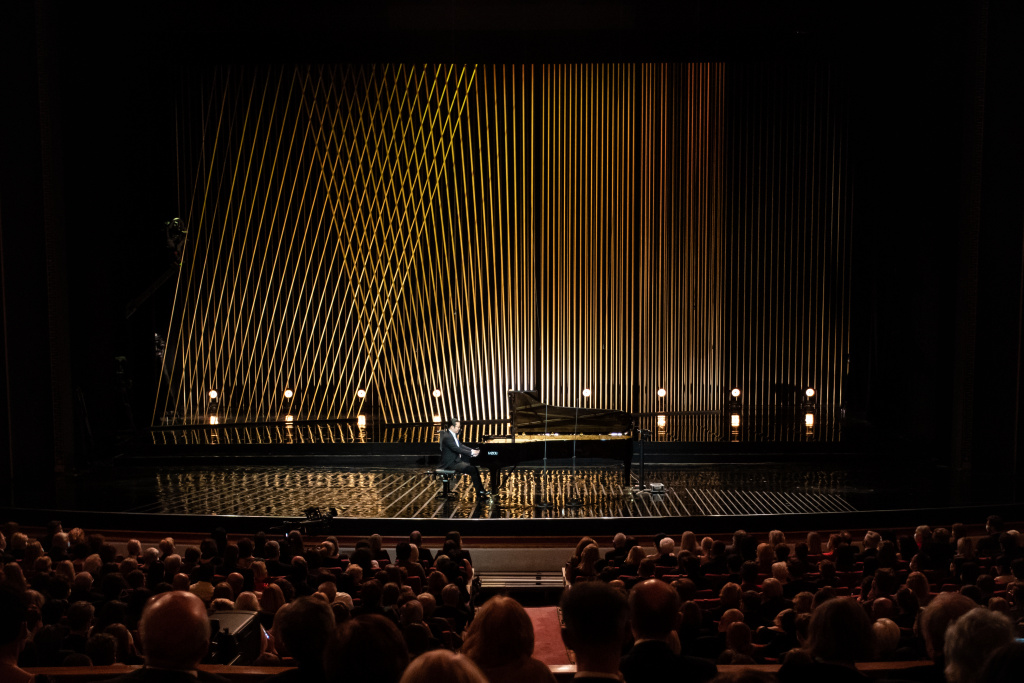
x=407, y=491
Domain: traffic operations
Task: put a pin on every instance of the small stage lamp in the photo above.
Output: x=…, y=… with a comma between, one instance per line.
x=361, y=420
x=437, y=419
x=586, y=393
x=213, y=394
x=662, y=421
x=289, y=418
x=734, y=397
x=809, y=393
x=734, y=420
x=436, y=393
x=214, y=420
x=288, y=393
x=809, y=419
x=361, y=393
x=662, y=392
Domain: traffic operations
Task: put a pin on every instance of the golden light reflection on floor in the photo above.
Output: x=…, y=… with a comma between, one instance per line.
x=411, y=493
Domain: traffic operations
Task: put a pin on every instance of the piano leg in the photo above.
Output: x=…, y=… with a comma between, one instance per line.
x=627, y=465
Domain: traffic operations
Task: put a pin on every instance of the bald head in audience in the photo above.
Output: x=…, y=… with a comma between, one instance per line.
x=653, y=610
x=175, y=631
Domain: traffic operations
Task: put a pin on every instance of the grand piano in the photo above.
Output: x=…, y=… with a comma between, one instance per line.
x=540, y=431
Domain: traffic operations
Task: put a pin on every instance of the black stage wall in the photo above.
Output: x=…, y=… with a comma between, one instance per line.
x=933, y=98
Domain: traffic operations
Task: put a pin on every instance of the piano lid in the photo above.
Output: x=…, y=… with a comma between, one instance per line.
x=530, y=416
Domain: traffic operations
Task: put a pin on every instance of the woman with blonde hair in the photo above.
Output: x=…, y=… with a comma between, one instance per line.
x=587, y=568
x=765, y=558
x=688, y=542
x=631, y=565
x=500, y=641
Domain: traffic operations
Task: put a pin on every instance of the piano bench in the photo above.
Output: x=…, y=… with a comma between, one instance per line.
x=446, y=477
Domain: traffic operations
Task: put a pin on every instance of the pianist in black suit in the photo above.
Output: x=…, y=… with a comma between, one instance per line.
x=456, y=455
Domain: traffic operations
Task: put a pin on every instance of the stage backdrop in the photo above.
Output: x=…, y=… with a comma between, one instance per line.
x=397, y=229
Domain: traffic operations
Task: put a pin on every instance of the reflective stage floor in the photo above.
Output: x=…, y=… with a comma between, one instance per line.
x=407, y=491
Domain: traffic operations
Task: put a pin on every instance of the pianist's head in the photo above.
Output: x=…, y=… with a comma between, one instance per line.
x=455, y=424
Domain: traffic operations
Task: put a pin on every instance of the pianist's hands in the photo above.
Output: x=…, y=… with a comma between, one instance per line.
x=475, y=452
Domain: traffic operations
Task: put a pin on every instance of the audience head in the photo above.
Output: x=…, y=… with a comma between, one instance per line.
x=13, y=616
x=174, y=631
x=500, y=633
x=840, y=631
x=305, y=626
x=443, y=666
x=594, y=617
x=366, y=649
x=942, y=611
x=971, y=639
x=887, y=637
x=653, y=609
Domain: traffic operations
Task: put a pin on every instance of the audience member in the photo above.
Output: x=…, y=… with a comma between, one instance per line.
x=304, y=626
x=366, y=649
x=442, y=666
x=971, y=639
x=13, y=634
x=175, y=636
x=839, y=635
x=653, y=617
x=594, y=628
x=500, y=641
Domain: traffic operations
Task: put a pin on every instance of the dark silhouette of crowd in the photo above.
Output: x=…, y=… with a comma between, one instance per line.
x=948, y=603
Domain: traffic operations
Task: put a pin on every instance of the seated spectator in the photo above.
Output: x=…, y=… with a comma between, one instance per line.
x=971, y=639
x=426, y=556
x=935, y=619
x=839, y=635
x=781, y=636
x=594, y=628
x=869, y=547
x=500, y=641
x=304, y=627
x=451, y=608
x=366, y=649
x=377, y=549
x=765, y=558
x=589, y=565
x=442, y=666
x=415, y=630
x=126, y=653
x=738, y=646
x=989, y=545
x=101, y=649
x=631, y=565
x=577, y=554
x=688, y=543
x=13, y=634
x=407, y=557
x=666, y=553
x=175, y=636
x=907, y=608
x=887, y=639
x=814, y=549
x=617, y=554
x=271, y=601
